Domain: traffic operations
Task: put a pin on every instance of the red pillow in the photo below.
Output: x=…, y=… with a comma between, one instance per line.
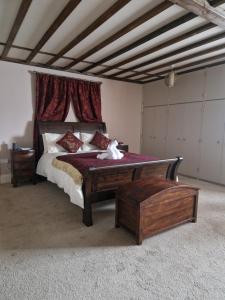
x=100, y=141
x=70, y=142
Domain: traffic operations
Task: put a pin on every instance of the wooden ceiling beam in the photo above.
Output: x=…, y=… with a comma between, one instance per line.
x=181, y=50
x=119, y=4
x=190, y=70
x=16, y=25
x=160, y=47
x=68, y=9
x=19, y=61
x=131, y=26
x=142, y=40
x=152, y=35
x=203, y=9
x=202, y=61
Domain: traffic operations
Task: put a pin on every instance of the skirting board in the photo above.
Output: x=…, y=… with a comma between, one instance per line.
x=5, y=178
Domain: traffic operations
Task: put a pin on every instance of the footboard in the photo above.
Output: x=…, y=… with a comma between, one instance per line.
x=102, y=182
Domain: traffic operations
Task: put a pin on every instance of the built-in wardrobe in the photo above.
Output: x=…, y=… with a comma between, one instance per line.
x=188, y=120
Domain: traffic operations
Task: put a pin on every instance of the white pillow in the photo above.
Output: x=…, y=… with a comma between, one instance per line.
x=50, y=139
x=86, y=138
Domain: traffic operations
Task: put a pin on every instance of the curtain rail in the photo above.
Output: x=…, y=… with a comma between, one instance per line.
x=43, y=73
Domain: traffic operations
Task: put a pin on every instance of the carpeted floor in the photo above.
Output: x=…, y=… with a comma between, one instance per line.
x=47, y=253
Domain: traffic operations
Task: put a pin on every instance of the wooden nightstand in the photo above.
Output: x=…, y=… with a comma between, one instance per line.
x=123, y=147
x=23, y=166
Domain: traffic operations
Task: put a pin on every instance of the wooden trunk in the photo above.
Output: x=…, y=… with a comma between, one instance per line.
x=149, y=206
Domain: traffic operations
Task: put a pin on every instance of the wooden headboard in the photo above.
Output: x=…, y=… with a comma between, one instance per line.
x=63, y=127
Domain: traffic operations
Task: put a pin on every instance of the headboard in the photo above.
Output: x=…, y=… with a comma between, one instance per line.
x=63, y=127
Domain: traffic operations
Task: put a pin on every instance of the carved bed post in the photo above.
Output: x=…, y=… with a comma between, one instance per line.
x=175, y=166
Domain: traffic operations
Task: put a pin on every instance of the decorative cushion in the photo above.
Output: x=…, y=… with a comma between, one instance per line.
x=69, y=142
x=100, y=141
x=86, y=138
x=50, y=139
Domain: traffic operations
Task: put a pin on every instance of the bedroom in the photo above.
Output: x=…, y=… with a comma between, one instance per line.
x=46, y=251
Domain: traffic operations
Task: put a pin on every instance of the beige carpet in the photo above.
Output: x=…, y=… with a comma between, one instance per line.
x=47, y=253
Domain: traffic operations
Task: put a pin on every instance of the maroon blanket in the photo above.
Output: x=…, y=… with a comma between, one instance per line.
x=83, y=162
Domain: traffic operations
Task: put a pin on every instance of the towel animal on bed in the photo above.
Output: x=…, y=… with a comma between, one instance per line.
x=112, y=152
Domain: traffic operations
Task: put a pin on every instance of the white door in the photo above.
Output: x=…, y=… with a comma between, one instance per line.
x=212, y=140
x=175, y=130
x=191, y=139
x=148, y=130
x=160, y=131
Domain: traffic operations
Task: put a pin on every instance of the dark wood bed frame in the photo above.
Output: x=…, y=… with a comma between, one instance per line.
x=101, y=183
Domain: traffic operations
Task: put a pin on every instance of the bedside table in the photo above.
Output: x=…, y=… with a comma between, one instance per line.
x=123, y=147
x=23, y=166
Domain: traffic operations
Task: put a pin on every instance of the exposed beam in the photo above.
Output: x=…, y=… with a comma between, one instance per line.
x=181, y=50
x=143, y=40
x=203, y=9
x=202, y=61
x=52, y=54
x=119, y=4
x=71, y=5
x=137, y=22
x=19, y=61
x=160, y=47
x=16, y=25
x=190, y=70
x=152, y=35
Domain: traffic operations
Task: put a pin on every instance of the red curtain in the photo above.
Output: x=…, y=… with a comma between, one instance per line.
x=53, y=97
x=52, y=102
x=86, y=100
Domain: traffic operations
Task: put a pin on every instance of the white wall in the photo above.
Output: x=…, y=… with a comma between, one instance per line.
x=192, y=121
x=121, y=109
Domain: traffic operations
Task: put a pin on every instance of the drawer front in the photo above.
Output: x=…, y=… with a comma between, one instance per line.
x=112, y=179
x=23, y=165
x=23, y=157
x=23, y=173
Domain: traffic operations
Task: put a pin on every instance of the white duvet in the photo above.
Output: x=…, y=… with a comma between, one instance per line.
x=62, y=179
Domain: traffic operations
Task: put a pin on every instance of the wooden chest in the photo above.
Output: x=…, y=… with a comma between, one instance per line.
x=149, y=206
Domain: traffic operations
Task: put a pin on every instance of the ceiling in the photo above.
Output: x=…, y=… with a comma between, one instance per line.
x=130, y=40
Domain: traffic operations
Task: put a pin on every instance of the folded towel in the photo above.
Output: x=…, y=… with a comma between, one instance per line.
x=112, y=152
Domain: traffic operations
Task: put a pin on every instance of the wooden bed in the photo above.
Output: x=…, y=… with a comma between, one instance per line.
x=101, y=183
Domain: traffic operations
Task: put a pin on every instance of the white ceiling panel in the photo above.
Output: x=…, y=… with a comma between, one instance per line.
x=62, y=62
x=81, y=66
x=84, y=14
x=126, y=74
x=41, y=58
x=8, y=12
x=18, y=53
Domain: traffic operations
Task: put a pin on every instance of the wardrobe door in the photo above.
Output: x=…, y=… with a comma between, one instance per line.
x=212, y=140
x=160, y=131
x=175, y=130
x=148, y=130
x=222, y=175
x=191, y=139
